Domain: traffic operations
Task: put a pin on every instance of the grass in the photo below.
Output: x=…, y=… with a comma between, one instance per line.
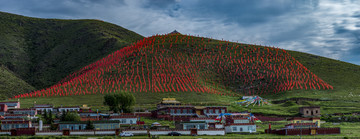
x=41, y=52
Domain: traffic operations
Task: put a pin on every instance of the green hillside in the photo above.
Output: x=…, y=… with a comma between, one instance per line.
x=43, y=51
x=8, y=81
x=341, y=75
x=36, y=53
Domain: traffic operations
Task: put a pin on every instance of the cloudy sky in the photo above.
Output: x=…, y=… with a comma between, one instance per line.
x=323, y=27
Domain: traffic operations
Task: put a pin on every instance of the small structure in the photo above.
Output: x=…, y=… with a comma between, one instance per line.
x=312, y=111
x=168, y=102
x=31, y=112
x=3, y=109
x=66, y=109
x=85, y=108
x=314, y=120
x=17, y=116
x=7, y=125
x=12, y=104
x=240, y=127
x=196, y=125
x=300, y=125
x=125, y=120
x=40, y=108
x=81, y=125
x=175, y=32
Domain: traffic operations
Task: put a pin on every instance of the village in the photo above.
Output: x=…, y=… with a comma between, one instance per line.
x=47, y=120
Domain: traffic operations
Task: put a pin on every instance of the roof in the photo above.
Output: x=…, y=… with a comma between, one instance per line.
x=85, y=122
x=22, y=109
x=202, y=119
x=68, y=107
x=239, y=118
x=15, y=122
x=303, y=118
x=122, y=116
x=10, y=102
x=240, y=124
x=16, y=115
x=297, y=124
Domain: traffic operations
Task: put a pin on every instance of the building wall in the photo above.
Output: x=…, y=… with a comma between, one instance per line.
x=317, y=121
x=126, y=121
x=11, y=126
x=195, y=125
x=106, y=125
x=310, y=111
x=241, y=121
x=72, y=126
x=240, y=128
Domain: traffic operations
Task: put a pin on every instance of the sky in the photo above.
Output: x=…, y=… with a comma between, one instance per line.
x=327, y=28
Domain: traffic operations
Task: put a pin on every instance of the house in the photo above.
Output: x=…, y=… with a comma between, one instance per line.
x=3, y=109
x=109, y=124
x=12, y=104
x=196, y=125
x=71, y=125
x=16, y=116
x=81, y=125
x=300, y=125
x=31, y=112
x=66, y=109
x=236, y=120
x=124, y=120
x=168, y=102
x=7, y=125
x=185, y=112
x=85, y=108
x=40, y=108
x=312, y=111
x=314, y=120
x=240, y=127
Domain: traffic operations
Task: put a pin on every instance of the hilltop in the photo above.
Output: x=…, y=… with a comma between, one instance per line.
x=40, y=52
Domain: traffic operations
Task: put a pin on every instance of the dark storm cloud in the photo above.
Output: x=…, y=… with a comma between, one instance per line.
x=326, y=28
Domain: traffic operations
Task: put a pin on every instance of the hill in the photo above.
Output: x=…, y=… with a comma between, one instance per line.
x=40, y=52
x=210, y=72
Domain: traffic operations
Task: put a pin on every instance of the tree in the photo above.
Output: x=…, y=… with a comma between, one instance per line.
x=50, y=118
x=89, y=125
x=71, y=116
x=119, y=102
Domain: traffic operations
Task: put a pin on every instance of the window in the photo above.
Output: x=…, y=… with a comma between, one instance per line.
x=184, y=110
x=204, y=111
x=222, y=110
x=241, y=129
x=190, y=111
x=172, y=111
x=216, y=111
x=178, y=111
x=234, y=128
x=123, y=120
x=316, y=111
x=307, y=112
x=131, y=122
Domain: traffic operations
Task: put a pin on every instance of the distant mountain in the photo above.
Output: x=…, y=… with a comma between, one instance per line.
x=40, y=52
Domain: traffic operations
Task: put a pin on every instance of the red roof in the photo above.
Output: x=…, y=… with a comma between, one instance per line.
x=15, y=122
x=296, y=124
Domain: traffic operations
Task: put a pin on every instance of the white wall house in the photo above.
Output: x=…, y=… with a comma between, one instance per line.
x=125, y=119
x=240, y=127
